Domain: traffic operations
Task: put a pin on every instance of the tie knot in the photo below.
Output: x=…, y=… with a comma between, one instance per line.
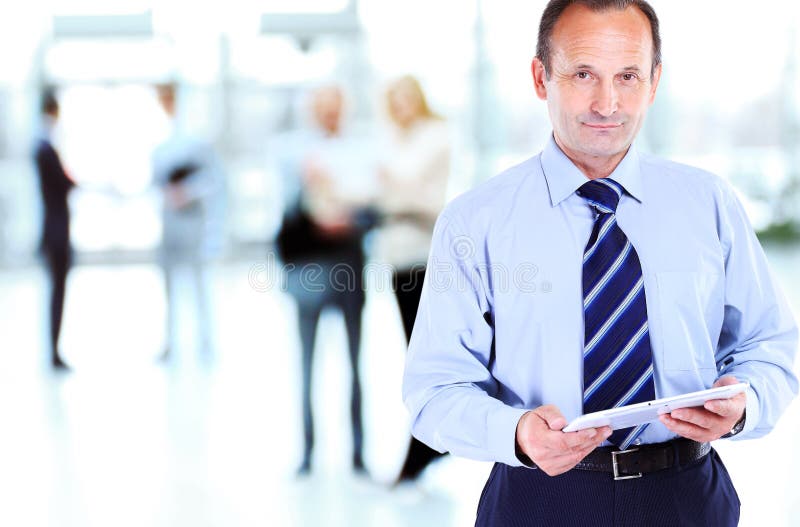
x=603, y=194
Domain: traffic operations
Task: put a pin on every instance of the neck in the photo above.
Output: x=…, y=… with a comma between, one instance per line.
x=330, y=132
x=410, y=124
x=593, y=167
x=48, y=125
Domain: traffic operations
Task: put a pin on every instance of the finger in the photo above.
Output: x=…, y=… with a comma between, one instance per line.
x=577, y=455
x=576, y=439
x=697, y=416
x=605, y=431
x=583, y=447
x=563, y=463
x=687, y=430
x=575, y=444
x=560, y=462
x=726, y=380
x=583, y=438
x=594, y=436
x=552, y=416
x=726, y=407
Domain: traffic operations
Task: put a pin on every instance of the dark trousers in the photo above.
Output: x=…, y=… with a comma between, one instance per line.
x=343, y=290
x=408, y=289
x=58, y=264
x=699, y=494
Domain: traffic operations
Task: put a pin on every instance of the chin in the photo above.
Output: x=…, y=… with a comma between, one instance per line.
x=607, y=148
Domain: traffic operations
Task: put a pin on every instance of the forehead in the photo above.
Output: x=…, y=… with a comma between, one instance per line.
x=327, y=96
x=582, y=34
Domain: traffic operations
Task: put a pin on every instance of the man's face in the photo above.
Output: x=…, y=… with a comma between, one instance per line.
x=600, y=83
x=327, y=108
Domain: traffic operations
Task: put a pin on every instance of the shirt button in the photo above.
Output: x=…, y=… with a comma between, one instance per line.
x=637, y=442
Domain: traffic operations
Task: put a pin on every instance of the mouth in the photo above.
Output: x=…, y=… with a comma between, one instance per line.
x=601, y=127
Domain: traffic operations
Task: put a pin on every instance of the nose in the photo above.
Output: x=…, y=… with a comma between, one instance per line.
x=606, y=99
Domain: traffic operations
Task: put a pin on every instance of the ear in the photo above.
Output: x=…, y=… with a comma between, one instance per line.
x=539, y=78
x=654, y=86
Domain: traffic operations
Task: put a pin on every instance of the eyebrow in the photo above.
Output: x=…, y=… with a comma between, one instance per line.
x=589, y=67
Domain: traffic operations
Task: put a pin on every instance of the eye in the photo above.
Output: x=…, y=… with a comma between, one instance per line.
x=629, y=77
x=583, y=75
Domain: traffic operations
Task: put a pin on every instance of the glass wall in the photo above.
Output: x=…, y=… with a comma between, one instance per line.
x=728, y=101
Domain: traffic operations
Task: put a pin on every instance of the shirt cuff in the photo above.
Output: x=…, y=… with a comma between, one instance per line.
x=752, y=414
x=502, y=432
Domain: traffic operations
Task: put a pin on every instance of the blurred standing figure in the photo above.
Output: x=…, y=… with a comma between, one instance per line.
x=321, y=241
x=189, y=173
x=55, y=185
x=414, y=175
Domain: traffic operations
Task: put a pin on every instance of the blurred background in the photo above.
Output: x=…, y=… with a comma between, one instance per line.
x=198, y=420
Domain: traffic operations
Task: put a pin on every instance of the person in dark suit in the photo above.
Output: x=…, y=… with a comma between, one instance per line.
x=321, y=243
x=55, y=185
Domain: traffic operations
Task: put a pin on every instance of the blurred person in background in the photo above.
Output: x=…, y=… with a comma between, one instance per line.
x=55, y=185
x=189, y=174
x=321, y=242
x=414, y=171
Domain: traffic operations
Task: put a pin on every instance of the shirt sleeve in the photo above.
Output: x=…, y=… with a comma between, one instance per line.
x=448, y=387
x=758, y=341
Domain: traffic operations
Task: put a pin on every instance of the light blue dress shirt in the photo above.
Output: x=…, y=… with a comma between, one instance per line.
x=499, y=329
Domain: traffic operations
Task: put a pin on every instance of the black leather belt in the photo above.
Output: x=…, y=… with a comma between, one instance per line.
x=643, y=459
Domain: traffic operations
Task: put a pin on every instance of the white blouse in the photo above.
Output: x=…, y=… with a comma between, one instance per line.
x=415, y=170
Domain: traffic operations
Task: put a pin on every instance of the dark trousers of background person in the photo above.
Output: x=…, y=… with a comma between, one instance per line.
x=408, y=289
x=699, y=494
x=338, y=285
x=58, y=258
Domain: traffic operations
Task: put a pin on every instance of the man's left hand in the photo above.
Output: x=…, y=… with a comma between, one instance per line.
x=710, y=421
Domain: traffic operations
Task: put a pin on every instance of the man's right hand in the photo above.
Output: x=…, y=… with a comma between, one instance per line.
x=539, y=436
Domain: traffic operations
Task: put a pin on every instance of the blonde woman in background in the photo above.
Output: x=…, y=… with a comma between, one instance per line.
x=413, y=174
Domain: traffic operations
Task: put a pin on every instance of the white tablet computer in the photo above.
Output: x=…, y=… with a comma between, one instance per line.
x=636, y=414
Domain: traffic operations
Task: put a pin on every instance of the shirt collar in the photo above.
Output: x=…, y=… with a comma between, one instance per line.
x=564, y=178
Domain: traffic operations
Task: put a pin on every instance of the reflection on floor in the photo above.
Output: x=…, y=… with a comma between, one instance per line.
x=214, y=440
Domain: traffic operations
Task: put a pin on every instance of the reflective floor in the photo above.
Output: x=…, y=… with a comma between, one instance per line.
x=214, y=438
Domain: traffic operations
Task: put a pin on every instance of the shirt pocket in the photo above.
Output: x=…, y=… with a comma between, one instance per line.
x=690, y=316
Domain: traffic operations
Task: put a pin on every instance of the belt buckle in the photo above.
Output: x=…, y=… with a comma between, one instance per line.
x=615, y=464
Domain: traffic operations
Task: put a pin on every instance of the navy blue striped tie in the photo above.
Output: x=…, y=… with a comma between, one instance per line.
x=617, y=359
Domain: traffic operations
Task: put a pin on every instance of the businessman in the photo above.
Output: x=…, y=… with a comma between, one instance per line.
x=594, y=276
x=55, y=185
